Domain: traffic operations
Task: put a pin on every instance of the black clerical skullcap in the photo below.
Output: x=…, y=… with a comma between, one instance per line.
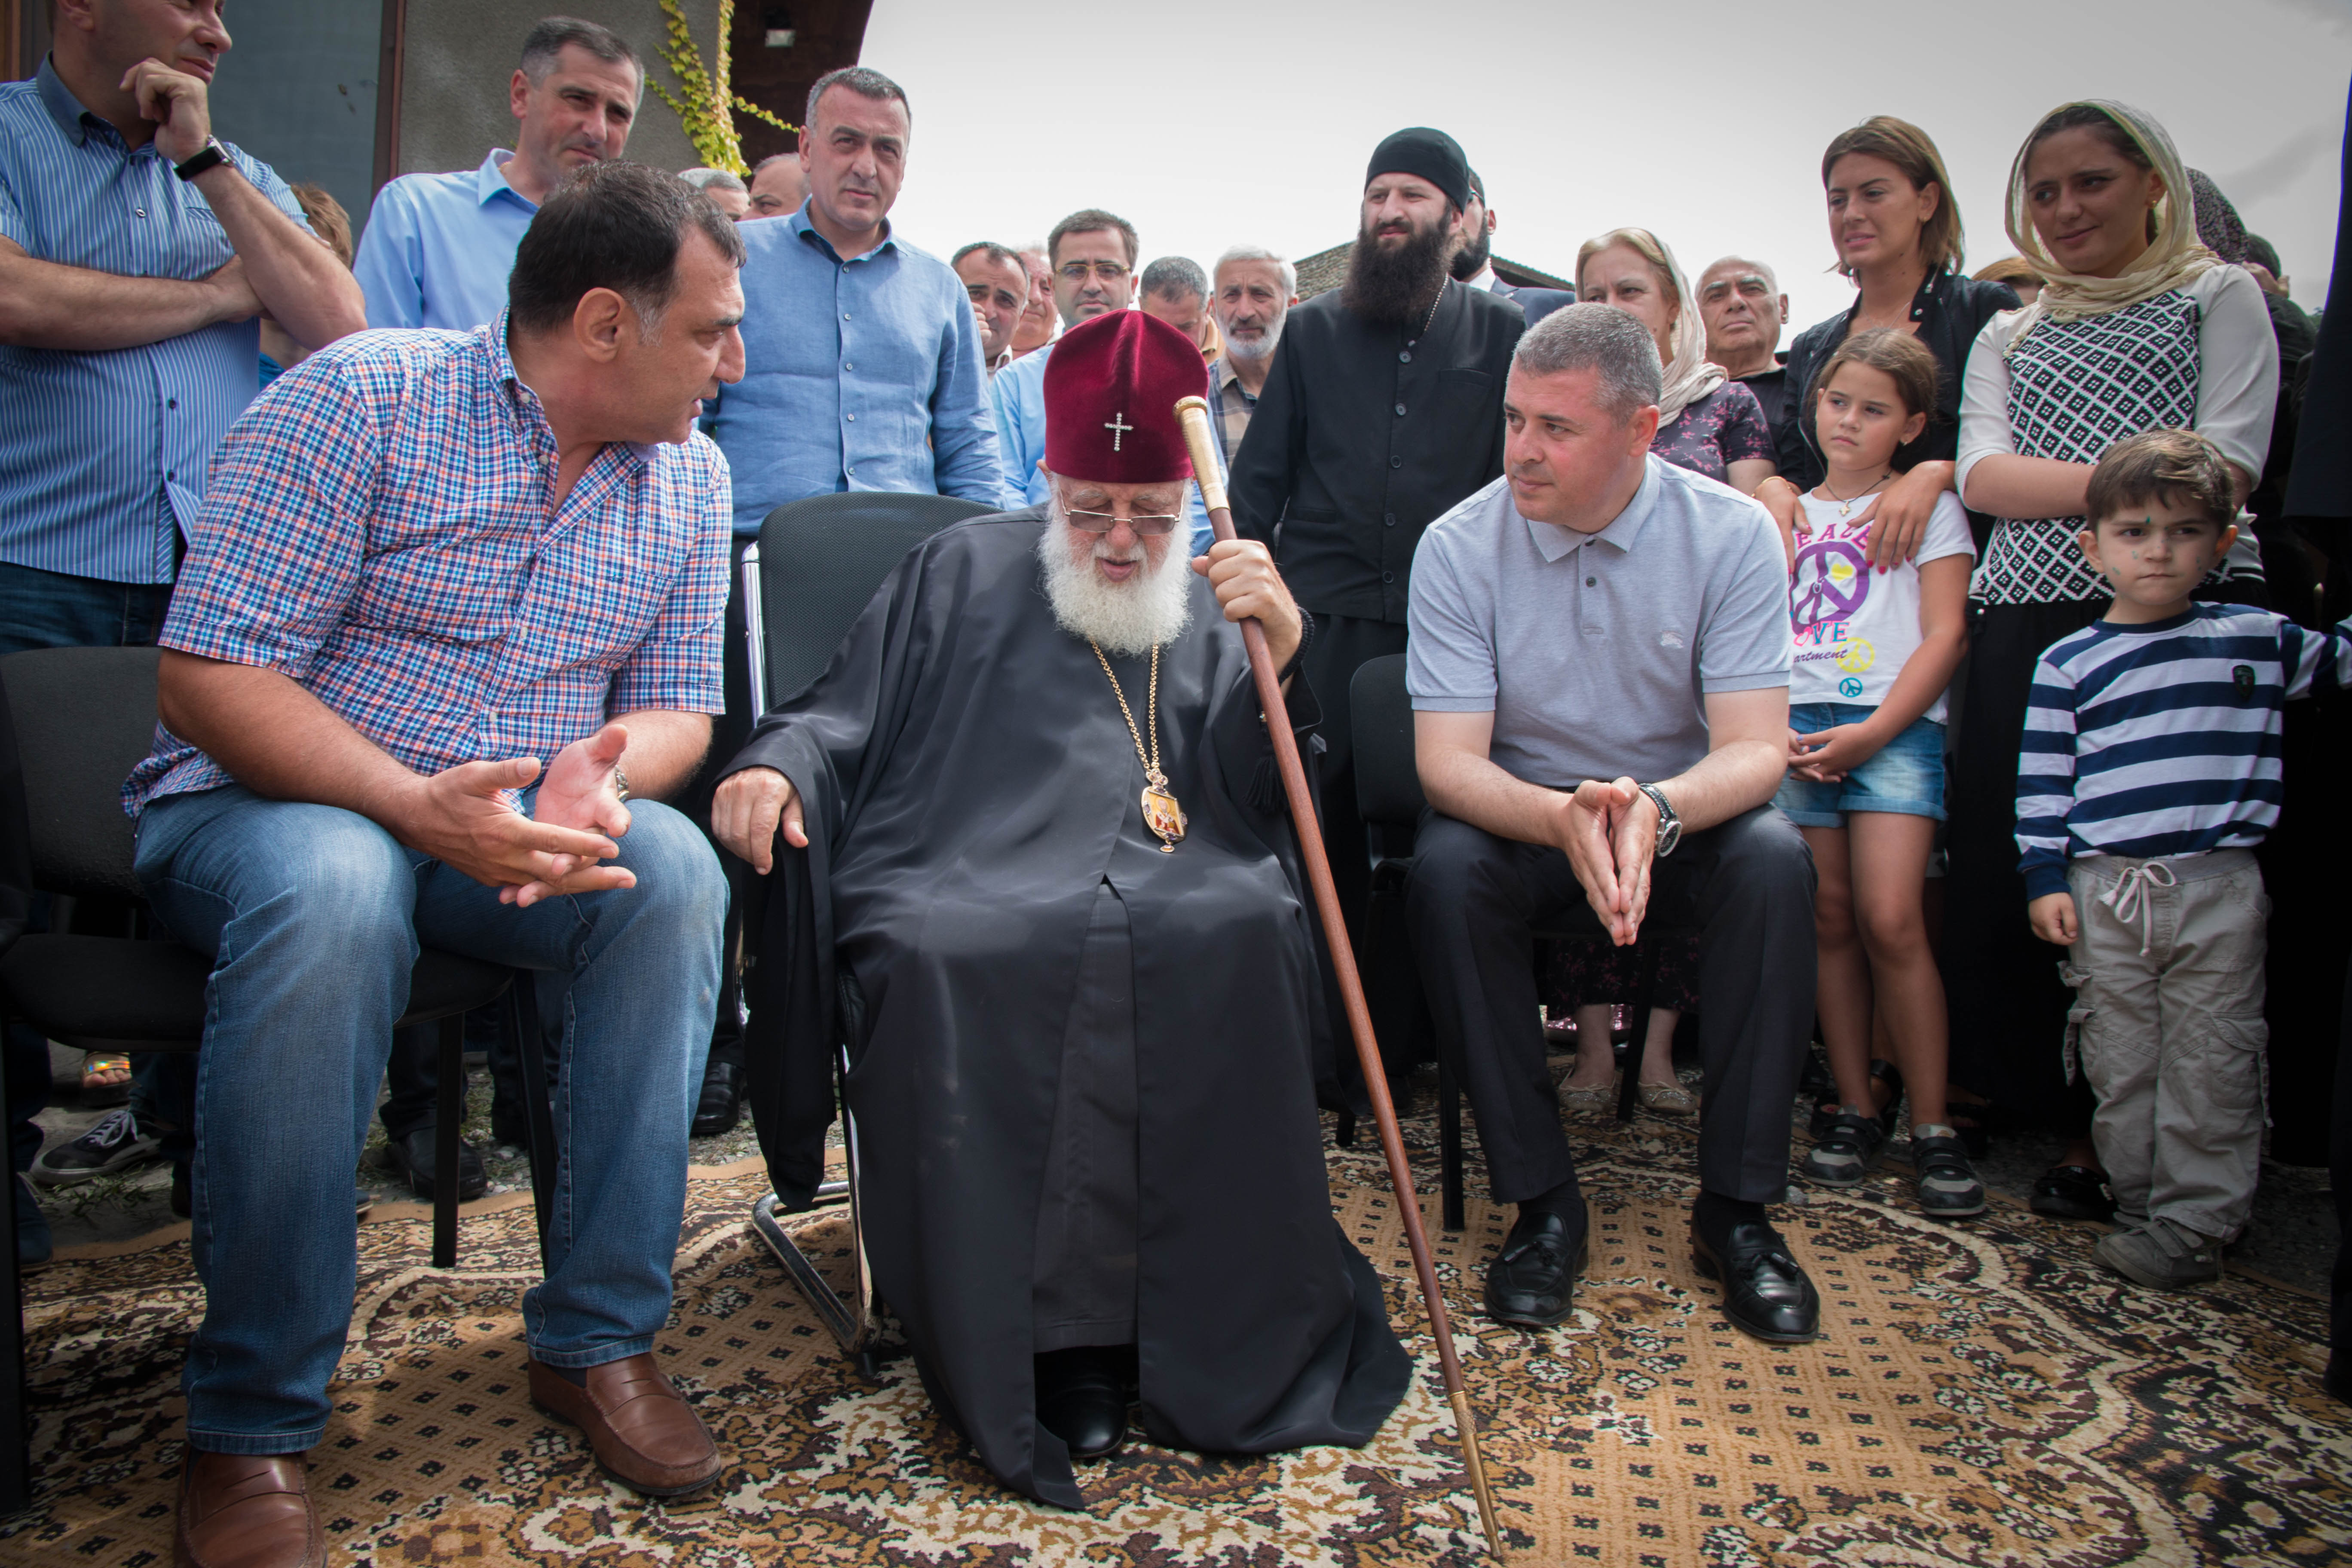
x=1426, y=154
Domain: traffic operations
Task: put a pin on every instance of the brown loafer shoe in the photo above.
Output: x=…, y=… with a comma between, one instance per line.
x=645, y=1434
x=247, y=1511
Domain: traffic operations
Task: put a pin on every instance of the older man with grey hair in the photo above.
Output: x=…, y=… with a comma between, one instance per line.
x=1742, y=303
x=1599, y=666
x=726, y=191
x=1253, y=291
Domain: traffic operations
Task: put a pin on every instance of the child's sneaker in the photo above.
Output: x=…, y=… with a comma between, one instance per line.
x=117, y=1142
x=2161, y=1255
x=1948, y=1184
x=1846, y=1152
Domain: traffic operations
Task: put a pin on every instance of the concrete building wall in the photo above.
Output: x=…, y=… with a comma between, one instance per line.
x=297, y=91
x=461, y=54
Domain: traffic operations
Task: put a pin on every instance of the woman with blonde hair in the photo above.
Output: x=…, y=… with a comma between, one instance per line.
x=2138, y=326
x=1707, y=423
x=1899, y=238
x=1710, y=425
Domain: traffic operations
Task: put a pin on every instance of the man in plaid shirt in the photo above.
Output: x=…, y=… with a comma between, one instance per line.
x=452, y=600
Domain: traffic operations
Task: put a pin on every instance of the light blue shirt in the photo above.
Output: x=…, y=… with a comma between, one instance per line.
x=862, y=374
x=438, y=248
x=1019, y=394
x=102, y=454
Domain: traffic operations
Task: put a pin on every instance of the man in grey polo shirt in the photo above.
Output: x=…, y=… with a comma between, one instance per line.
x=1598, y=664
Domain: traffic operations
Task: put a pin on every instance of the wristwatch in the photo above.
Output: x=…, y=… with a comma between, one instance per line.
x=210, y=155
x=1670, y=826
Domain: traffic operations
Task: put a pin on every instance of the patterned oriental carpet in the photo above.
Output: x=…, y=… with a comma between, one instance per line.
x=1983, y=1395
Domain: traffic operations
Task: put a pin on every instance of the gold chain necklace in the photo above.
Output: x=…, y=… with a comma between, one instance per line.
x=1845, y=503
x=1161, y=812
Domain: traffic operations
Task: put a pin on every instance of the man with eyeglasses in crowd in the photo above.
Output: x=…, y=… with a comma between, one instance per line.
x=861, y=371
x=1092, y=255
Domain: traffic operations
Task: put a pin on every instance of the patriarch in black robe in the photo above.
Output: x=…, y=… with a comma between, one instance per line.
x=1032, y=863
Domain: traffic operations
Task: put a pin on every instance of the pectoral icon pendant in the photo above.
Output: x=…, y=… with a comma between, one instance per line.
x=1162, y=815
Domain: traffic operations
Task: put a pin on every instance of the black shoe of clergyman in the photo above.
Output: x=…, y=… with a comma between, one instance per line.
x=1533, y=1280
x=1082, y=1398
x=411, y=1159
x=1765, y=1293
x=721, y=1105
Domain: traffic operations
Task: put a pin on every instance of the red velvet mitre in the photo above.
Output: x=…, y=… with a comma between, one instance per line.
x=1111, y=388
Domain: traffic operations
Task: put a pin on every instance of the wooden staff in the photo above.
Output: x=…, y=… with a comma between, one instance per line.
x=1193, y=415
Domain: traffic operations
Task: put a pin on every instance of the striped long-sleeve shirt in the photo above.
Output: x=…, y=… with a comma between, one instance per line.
x=2163, y=739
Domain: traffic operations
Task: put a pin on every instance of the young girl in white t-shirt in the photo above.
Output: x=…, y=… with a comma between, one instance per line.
x=1876, y=648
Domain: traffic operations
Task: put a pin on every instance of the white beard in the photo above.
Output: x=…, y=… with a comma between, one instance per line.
x=1262, y=349
x=1131, y=618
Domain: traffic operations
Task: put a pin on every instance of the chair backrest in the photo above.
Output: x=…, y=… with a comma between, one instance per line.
x=1388, y=783
x=85, y=717
x=821, y=559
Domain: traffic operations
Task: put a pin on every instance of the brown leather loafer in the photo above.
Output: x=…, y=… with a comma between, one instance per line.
x=247, y=1511
x=645, y=1436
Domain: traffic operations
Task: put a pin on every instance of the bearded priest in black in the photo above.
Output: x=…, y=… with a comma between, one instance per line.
x=1033, y=841
x=1383, y=410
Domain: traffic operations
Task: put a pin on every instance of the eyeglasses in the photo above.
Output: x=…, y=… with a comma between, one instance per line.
x=1151, y=525
x=1109, y=271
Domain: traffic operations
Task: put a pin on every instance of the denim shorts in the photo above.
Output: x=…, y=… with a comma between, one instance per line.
x=1905, y=777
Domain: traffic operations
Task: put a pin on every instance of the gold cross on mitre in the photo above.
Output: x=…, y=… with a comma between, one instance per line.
x=1117, y=428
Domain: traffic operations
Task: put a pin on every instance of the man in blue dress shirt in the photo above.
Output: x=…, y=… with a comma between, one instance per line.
x=135, y=253
x=438, y=248
x=861, y=371
x=1092, y=254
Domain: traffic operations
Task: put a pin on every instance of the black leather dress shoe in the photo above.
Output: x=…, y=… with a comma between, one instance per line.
x=721, y=1105
x=411, y=1159
x=1082, y=1398
x=1533, y=1280
x=1765, y=1293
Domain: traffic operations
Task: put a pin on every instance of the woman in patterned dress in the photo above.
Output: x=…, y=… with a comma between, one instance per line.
x=2140, y=326
x=1710, y=425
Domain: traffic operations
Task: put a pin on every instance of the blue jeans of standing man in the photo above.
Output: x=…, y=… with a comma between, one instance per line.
x=314, y=916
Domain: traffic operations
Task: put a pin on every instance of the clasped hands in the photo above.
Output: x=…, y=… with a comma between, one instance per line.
x=463, y=818
x=1610, y=832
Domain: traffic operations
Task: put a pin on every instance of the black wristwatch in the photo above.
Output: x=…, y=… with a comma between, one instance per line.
x=1670, y=826
x=211, y=155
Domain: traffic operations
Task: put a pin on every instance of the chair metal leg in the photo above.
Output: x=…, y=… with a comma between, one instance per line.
x=449, y=1115
x=538, y=1111
x=1629, y=1085
x=1449, y=1144
x=16, y=1457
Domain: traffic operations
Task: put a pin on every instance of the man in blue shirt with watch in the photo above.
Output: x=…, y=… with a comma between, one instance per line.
x=135, y=253
x=438, y=248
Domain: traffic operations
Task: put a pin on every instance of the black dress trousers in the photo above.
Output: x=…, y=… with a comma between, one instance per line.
x=1745, y=885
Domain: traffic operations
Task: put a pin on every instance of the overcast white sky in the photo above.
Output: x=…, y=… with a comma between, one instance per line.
x=1250, y=121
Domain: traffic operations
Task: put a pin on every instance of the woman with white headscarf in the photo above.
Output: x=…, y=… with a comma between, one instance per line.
x=1710, y=425
x=2138, y=326
x=1707, y=422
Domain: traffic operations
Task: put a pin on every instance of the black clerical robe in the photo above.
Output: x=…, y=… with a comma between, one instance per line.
x=1365, y=436
x=969, y=788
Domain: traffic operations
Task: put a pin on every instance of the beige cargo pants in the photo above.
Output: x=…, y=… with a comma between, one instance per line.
x=2168, y=1017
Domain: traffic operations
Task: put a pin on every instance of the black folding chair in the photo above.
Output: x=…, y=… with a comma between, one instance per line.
x=83, y=719
x=815, y=568
x=1390, y=799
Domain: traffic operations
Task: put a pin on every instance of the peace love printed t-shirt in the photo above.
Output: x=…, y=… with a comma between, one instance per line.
x=1855, y=626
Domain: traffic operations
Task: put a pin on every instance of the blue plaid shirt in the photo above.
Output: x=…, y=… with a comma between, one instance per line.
x=379, y=528
x=102, y=454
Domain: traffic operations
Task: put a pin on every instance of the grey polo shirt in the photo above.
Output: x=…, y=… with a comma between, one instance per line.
x=1594, y=651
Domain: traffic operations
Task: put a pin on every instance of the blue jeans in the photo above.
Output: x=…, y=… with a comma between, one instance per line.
x=314, y=916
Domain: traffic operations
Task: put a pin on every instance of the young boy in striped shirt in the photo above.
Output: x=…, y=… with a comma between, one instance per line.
x=2150, y=770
